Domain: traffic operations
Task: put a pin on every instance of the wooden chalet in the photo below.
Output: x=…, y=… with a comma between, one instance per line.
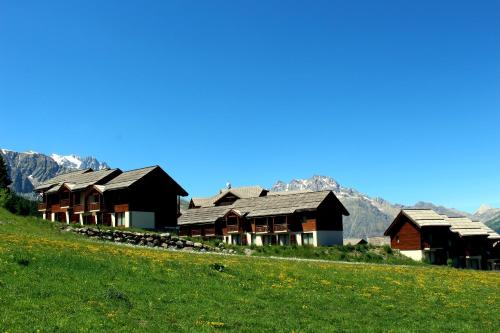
x=425, y=234
x=241, y=217
x=144, y=198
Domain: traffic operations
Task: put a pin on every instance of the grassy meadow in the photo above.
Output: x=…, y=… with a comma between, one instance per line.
x=58, y=281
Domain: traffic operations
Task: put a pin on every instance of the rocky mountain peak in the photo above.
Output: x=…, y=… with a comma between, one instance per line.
x=29, y=168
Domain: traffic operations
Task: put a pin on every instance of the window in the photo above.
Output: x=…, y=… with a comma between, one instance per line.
x=283, y=239
x=293, y=239
x=307, y=239
x=235, y=239
x=267, y=239
x=120, y=219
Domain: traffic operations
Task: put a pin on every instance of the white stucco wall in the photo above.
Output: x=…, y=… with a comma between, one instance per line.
x=328, y=237
x=53, y=217
x=413, y=254
x=298, y=237
x=140, y=220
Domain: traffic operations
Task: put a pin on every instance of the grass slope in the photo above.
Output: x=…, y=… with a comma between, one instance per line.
x=56, y=281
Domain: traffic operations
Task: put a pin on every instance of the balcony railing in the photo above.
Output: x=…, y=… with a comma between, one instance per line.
x=64, y=202
x=78, y=208
x=42, y=206
x=280, y=227
x=233, y=228
x=261, y=228
x=94, y=206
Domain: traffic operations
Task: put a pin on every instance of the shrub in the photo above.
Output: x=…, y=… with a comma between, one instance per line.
x=388, y=249
x=218, y=267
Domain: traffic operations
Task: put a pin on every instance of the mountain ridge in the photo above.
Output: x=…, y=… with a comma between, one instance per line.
x=370, y=216
x=27, y=169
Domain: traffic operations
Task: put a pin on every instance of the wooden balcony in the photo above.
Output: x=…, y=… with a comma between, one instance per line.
x=280, y=227
x=261, y=229
x=78, y=208
x=233, y=229
x=121, y=208
x=64, y=203
x=94, y=206
x=42, y=206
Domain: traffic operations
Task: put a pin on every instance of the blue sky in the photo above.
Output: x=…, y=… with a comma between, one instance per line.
x=399, y=99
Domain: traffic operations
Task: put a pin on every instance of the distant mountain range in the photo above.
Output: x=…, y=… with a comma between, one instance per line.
x=371, y=216
x=368, y=216
x=30, y=168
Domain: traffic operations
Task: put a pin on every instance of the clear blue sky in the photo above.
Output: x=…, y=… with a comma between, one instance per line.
x=399, y=99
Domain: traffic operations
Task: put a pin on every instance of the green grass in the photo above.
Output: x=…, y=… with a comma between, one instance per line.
x=58, y=281
x=349, y=253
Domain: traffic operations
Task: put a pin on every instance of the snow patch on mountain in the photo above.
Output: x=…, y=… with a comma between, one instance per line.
x=69, y=161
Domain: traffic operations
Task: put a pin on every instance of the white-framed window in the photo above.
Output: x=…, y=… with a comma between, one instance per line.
x=307, y=238
x=120, y=219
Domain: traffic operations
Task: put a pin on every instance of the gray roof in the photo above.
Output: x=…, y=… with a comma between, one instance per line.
x=288, y=192
x=354, y=241
x=466, y=227
x=77, y=180
x=426, y=218
x=127, y=178
x=61, y=178
x=257, y=207
x=463, y=226
x=242, y=192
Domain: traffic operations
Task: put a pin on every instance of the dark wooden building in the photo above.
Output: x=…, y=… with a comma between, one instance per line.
x=143, y=198
x=425, y=234
x=305, y=218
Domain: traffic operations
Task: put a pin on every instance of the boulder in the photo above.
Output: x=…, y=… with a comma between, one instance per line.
x=198, y=245
x=179, y=244
x=189, y=243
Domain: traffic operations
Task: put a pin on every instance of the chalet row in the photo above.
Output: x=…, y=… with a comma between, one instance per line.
x=252, y=215
x=143, y=198
x=440, y=239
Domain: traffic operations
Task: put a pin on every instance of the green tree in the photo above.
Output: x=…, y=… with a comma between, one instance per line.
x=4, y=175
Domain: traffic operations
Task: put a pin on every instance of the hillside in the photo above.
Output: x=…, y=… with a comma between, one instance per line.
x=57, y=281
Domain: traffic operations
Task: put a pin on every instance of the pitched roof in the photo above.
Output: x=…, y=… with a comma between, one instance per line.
x=259, y=207
x=278, y=205
x=426, y=218
x=466, y=227
x=354, y=241
x=76, y=180
x=127, y=178
x=420, y=217
x=242, y=192
x=61, y=178
x=288, y=192
x=463, y=226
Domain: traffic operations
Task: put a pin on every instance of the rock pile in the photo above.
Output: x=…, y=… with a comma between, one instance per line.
x=163, y=240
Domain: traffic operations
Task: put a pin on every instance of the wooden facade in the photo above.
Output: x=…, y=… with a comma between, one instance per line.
x=149, y=195
x=464, y=244
x=269, y=220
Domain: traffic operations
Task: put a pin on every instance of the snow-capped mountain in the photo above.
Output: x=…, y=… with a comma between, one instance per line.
x=371, y=216
x=29, y=168
x=77, y=162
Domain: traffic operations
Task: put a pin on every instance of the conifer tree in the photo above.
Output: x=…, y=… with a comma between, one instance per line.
x=4, y=175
